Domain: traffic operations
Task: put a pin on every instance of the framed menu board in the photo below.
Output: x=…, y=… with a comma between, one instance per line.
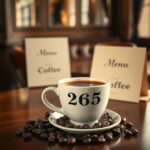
x=124, y=67
x=47, y=60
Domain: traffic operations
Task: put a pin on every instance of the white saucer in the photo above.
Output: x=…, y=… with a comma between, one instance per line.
x=115, y=116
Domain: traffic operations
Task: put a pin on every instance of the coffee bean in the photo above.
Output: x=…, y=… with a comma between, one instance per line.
x=105, y=123
x=96, y=125
x=110, y=120
x=43, y=136
x=108, y=136
x=134, y=131
x=63, y=140
x=123, y=119
x=44, y=124
x=61, y=121
x=43, y=130
x=19, y=133
x=37, y=132
x=27, y=136
x=128, y=125
x=86, y=140
x=47, y=114
x=52, y=137
x=127, y=133
x=44, y=121
x=51, y=141
x=86, y=126
x=94, y=137
x=51, y=129
x=59, y=134
x=69, y=124
x=32, y=122
x=66, y=118
x=101, y=139
x=78, y=127
x=105, y=116
x=28, y=126
x=71, y=140
x=116, y=132
x=85, y=136
x=121, y=127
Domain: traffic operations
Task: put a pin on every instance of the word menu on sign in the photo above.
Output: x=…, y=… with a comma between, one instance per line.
x=123, y=66
x=47, y=60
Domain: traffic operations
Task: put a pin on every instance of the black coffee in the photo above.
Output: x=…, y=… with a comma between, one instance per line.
x=84, y=83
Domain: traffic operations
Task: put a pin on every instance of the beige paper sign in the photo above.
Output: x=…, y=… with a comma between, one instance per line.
x=47, y=60
x=124, y=67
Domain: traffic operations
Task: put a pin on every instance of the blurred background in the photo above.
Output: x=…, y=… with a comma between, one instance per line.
x=84, y=22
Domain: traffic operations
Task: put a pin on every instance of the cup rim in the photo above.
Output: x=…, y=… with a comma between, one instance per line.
x=62, y=81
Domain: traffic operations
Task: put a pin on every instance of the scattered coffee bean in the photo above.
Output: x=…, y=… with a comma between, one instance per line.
x=134, y=131
x=116, y=132
x=27, y=136
x=110, y=120
x=52, y=137
x=123, y=120
x=96, y=125
x=121, y=127
x=85, y=136
x=66, y=118
x=128, y=125
x=127, y=133
x=37, y=132
x=61, y=121
x=44, y=124
x=105, y=116
x=71, y=139
x=69, y=124
x=47, y=114
x=108, y=136
x=105, y=123
x=43, y=130
x=85, y=126
x=59, y=134
x=63, y=140
x=40, y=131
x=28, y=127
x=44, y=121
x=78, y=127
x=86, y=140
x=43, y=136
x=51, y=129
x=94, y=137
x=19, y=133
x=101, y=139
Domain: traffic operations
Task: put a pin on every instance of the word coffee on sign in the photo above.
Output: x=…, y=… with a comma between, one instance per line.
x=124, y=67
x=47, y=61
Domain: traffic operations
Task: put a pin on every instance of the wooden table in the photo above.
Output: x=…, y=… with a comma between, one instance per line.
x=18, y=106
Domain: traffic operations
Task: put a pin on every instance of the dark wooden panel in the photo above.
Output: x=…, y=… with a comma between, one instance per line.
x=2, y=21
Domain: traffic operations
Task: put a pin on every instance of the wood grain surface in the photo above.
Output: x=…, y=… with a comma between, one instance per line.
x=21, y=105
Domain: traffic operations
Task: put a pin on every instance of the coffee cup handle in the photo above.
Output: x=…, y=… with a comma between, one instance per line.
x=47, y=103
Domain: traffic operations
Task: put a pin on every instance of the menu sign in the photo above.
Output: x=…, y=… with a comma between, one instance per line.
x=47, y=60
x=124, y=67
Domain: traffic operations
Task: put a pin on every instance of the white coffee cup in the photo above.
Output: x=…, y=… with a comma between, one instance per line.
x=83, y=99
